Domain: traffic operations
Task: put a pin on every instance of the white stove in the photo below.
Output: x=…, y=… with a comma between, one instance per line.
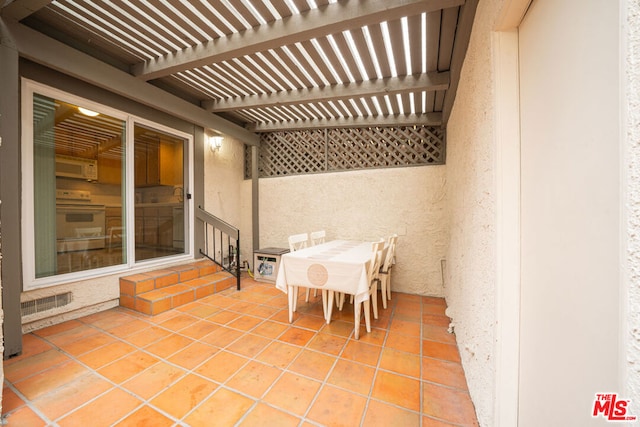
x=79, y=223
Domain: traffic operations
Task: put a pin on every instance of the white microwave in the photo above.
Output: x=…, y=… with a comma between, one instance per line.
x=75, y=167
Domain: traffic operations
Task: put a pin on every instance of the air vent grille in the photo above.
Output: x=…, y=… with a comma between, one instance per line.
x=46, y=303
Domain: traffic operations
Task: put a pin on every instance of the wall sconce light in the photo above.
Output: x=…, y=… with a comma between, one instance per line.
x=215, y=142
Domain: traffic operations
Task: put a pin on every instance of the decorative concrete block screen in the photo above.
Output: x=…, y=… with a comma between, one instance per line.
x=331, y=150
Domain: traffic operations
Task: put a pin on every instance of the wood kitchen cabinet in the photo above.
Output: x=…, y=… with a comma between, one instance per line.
x=165, y=227
x=154, y=226
x=158, y=163
x=109, y=170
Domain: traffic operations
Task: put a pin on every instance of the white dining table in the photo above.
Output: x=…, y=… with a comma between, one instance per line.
x=335, y=266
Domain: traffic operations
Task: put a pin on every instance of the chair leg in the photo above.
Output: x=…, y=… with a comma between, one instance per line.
x=383, y=289
x=306, y=298
x=374, y=299
x=367, y=316
x=388, y=276
x=356, y=320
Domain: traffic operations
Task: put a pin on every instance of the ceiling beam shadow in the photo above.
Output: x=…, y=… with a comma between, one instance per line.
x=422, y=119
x=57, y=56
x=327, y=19
x=379, y=87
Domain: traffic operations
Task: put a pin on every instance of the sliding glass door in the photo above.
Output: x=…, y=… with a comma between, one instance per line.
x=77, y=173
x=102, y=190
x=159, y=193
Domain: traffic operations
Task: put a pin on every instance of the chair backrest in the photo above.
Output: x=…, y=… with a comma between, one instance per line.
x=298, y=241
x=317, y=237
x=376, y=260
x=391, y=253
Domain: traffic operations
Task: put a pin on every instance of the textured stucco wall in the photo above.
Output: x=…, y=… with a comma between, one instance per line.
x=350, y=205
x=471, y=190
x=224, y=190
x=631, y=110
x=222, y=180
x=88, y=297
x=366, y=205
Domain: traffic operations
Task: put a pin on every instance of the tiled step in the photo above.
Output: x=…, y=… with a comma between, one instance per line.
x=157, y=291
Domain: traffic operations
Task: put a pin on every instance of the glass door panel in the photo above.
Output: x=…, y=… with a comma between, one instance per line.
x=159, y=193
x=78, y=193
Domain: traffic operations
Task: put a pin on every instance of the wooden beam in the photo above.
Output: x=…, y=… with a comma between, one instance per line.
x=389, y=86
x=20, y=9
x=424, y=119
x=53, y=54
x=465, y=25
x=327, y=19
x=10, y=194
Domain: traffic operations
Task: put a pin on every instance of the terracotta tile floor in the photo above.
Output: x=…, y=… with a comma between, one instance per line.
x=234, y=359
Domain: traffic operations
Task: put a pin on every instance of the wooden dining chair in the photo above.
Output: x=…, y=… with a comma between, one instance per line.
x=297, y=242
x=385, y=270
x=317, y=237
x=372, y=277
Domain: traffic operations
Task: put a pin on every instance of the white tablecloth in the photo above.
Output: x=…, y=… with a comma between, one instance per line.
x=339, y=265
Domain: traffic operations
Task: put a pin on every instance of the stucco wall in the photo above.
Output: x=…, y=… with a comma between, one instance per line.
x=471, y=270
x=631, y=183
x=471, y=266
x=366, y=205
x=226, y=194
x=223, y=175
x=88, y=297
x=360, y=205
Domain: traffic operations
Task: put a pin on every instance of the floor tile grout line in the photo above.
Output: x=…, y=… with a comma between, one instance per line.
x=27, y=403
x=377, y=369
x=368, y=397
x=323, y=384
x=286, y=369
x=391, y=304
x=124, y=389
x=241, y=368
x=253, y=358
x=191, y=371
x=283, y=370
x=114, y=384
x=244, y=332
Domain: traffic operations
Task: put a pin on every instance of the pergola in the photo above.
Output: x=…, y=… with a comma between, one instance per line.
x=246, y=66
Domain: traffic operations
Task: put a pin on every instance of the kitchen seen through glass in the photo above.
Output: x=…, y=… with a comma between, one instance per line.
x=81, y=190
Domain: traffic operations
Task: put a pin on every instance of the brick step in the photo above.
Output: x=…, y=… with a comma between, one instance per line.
x=157, y=291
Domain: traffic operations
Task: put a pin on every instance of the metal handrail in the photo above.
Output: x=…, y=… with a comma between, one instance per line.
x=226, y=256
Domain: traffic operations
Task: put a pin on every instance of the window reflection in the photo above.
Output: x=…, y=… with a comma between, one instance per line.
x=78, y=170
